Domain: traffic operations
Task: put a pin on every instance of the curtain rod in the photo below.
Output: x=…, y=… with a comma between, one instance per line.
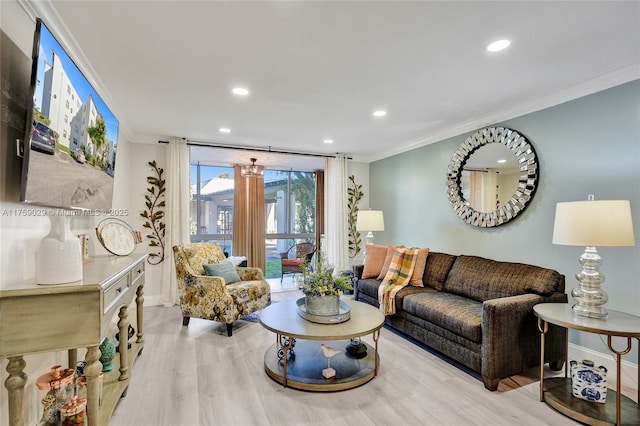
x=259, y=149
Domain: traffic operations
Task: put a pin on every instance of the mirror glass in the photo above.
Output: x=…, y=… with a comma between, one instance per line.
x=492, y=177
x=489, y=178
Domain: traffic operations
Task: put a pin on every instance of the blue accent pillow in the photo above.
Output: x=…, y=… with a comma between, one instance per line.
x=224, y=269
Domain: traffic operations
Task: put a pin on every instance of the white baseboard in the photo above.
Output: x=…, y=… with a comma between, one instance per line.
x=153, y=301
x=629, y=371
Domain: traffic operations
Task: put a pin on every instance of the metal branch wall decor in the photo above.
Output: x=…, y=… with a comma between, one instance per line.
x=154, y=214
x=355, y=194
x=527, y=181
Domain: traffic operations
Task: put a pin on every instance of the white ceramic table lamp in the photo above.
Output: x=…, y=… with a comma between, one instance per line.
x=370, y=220
x=604, y=223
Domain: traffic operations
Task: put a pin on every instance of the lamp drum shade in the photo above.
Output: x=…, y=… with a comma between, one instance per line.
x=370, y=220
x=600, y=223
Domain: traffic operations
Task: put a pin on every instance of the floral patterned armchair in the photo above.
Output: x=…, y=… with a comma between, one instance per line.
x=209, y=297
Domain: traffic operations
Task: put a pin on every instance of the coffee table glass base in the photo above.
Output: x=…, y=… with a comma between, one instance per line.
x=304, y=370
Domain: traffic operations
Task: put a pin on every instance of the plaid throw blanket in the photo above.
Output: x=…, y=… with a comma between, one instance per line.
x=398, y=276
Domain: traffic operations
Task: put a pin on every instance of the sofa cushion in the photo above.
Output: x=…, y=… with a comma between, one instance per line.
x=369, y=289
x=401, y=266
x=459, y=315
x=483, y=279
x=374, y=260
x=418, y=270
x=437, y=269
x=391, y=250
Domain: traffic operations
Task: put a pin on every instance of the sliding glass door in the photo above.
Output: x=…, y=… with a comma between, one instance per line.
x=290, y=212
x=290, y=209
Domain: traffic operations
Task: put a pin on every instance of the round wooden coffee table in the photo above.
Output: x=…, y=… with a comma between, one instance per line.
x=299, y=363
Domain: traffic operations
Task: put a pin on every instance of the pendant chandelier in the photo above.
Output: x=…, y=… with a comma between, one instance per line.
x=252, y=170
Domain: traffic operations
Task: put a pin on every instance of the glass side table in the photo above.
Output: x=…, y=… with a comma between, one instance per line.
x=556, y=392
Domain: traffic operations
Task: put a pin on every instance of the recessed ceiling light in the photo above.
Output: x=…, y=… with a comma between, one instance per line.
x=379, y=113
x=502, y=161
x=240, y=91
x=327, y=141
x=224, y=130
x=498, y=45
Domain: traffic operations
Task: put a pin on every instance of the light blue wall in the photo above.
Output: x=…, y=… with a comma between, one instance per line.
x=587, y=146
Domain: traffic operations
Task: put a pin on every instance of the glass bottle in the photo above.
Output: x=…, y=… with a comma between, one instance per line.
x=73, y=412
x=58, y=384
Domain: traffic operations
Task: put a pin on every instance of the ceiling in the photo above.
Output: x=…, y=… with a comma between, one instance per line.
x=318, y=69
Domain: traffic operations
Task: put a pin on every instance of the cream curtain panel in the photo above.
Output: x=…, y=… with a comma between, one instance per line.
x=249, y=219
x=319, y=207
x=176, y=214
x=336, y=236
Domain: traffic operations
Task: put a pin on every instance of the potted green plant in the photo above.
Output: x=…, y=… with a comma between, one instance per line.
x=322, y=289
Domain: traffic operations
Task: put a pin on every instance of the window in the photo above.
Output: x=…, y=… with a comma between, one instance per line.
x=290, y=209
x=211, y=212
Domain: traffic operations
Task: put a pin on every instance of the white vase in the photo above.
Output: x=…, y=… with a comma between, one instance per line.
x=322, y=305
x=59, y=258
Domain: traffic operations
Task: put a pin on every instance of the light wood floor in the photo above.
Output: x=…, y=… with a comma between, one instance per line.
x=196, y=375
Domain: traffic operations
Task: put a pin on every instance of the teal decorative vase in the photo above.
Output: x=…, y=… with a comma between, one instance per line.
x=107, y=353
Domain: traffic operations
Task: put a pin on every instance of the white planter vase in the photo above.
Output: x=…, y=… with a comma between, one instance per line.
x=59, y=258
x=322, y=305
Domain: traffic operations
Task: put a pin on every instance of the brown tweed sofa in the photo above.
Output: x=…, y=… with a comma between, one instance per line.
x=478, y=312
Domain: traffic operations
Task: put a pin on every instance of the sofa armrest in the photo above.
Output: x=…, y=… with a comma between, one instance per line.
x=510, y=336
x=357, y=275
x=250, y=274
x=357, y=271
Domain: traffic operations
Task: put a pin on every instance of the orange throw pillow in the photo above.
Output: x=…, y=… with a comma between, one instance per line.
x=373, y=260
x=418, y=270
x=391, y=250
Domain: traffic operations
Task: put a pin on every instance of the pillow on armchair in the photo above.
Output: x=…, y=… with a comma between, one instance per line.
x=292, y=262
x=225, y=270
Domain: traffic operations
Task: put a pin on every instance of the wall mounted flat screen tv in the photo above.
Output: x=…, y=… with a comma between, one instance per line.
x=71, y=135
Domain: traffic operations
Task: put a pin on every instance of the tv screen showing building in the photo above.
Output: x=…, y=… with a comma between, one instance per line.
x=72, y=134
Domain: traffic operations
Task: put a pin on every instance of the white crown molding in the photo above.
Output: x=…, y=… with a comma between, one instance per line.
x=594, y=85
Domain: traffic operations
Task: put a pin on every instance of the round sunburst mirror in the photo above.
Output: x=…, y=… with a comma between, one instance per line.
x=492, y=177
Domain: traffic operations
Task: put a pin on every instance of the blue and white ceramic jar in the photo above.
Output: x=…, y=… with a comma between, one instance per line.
x=588, y=382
